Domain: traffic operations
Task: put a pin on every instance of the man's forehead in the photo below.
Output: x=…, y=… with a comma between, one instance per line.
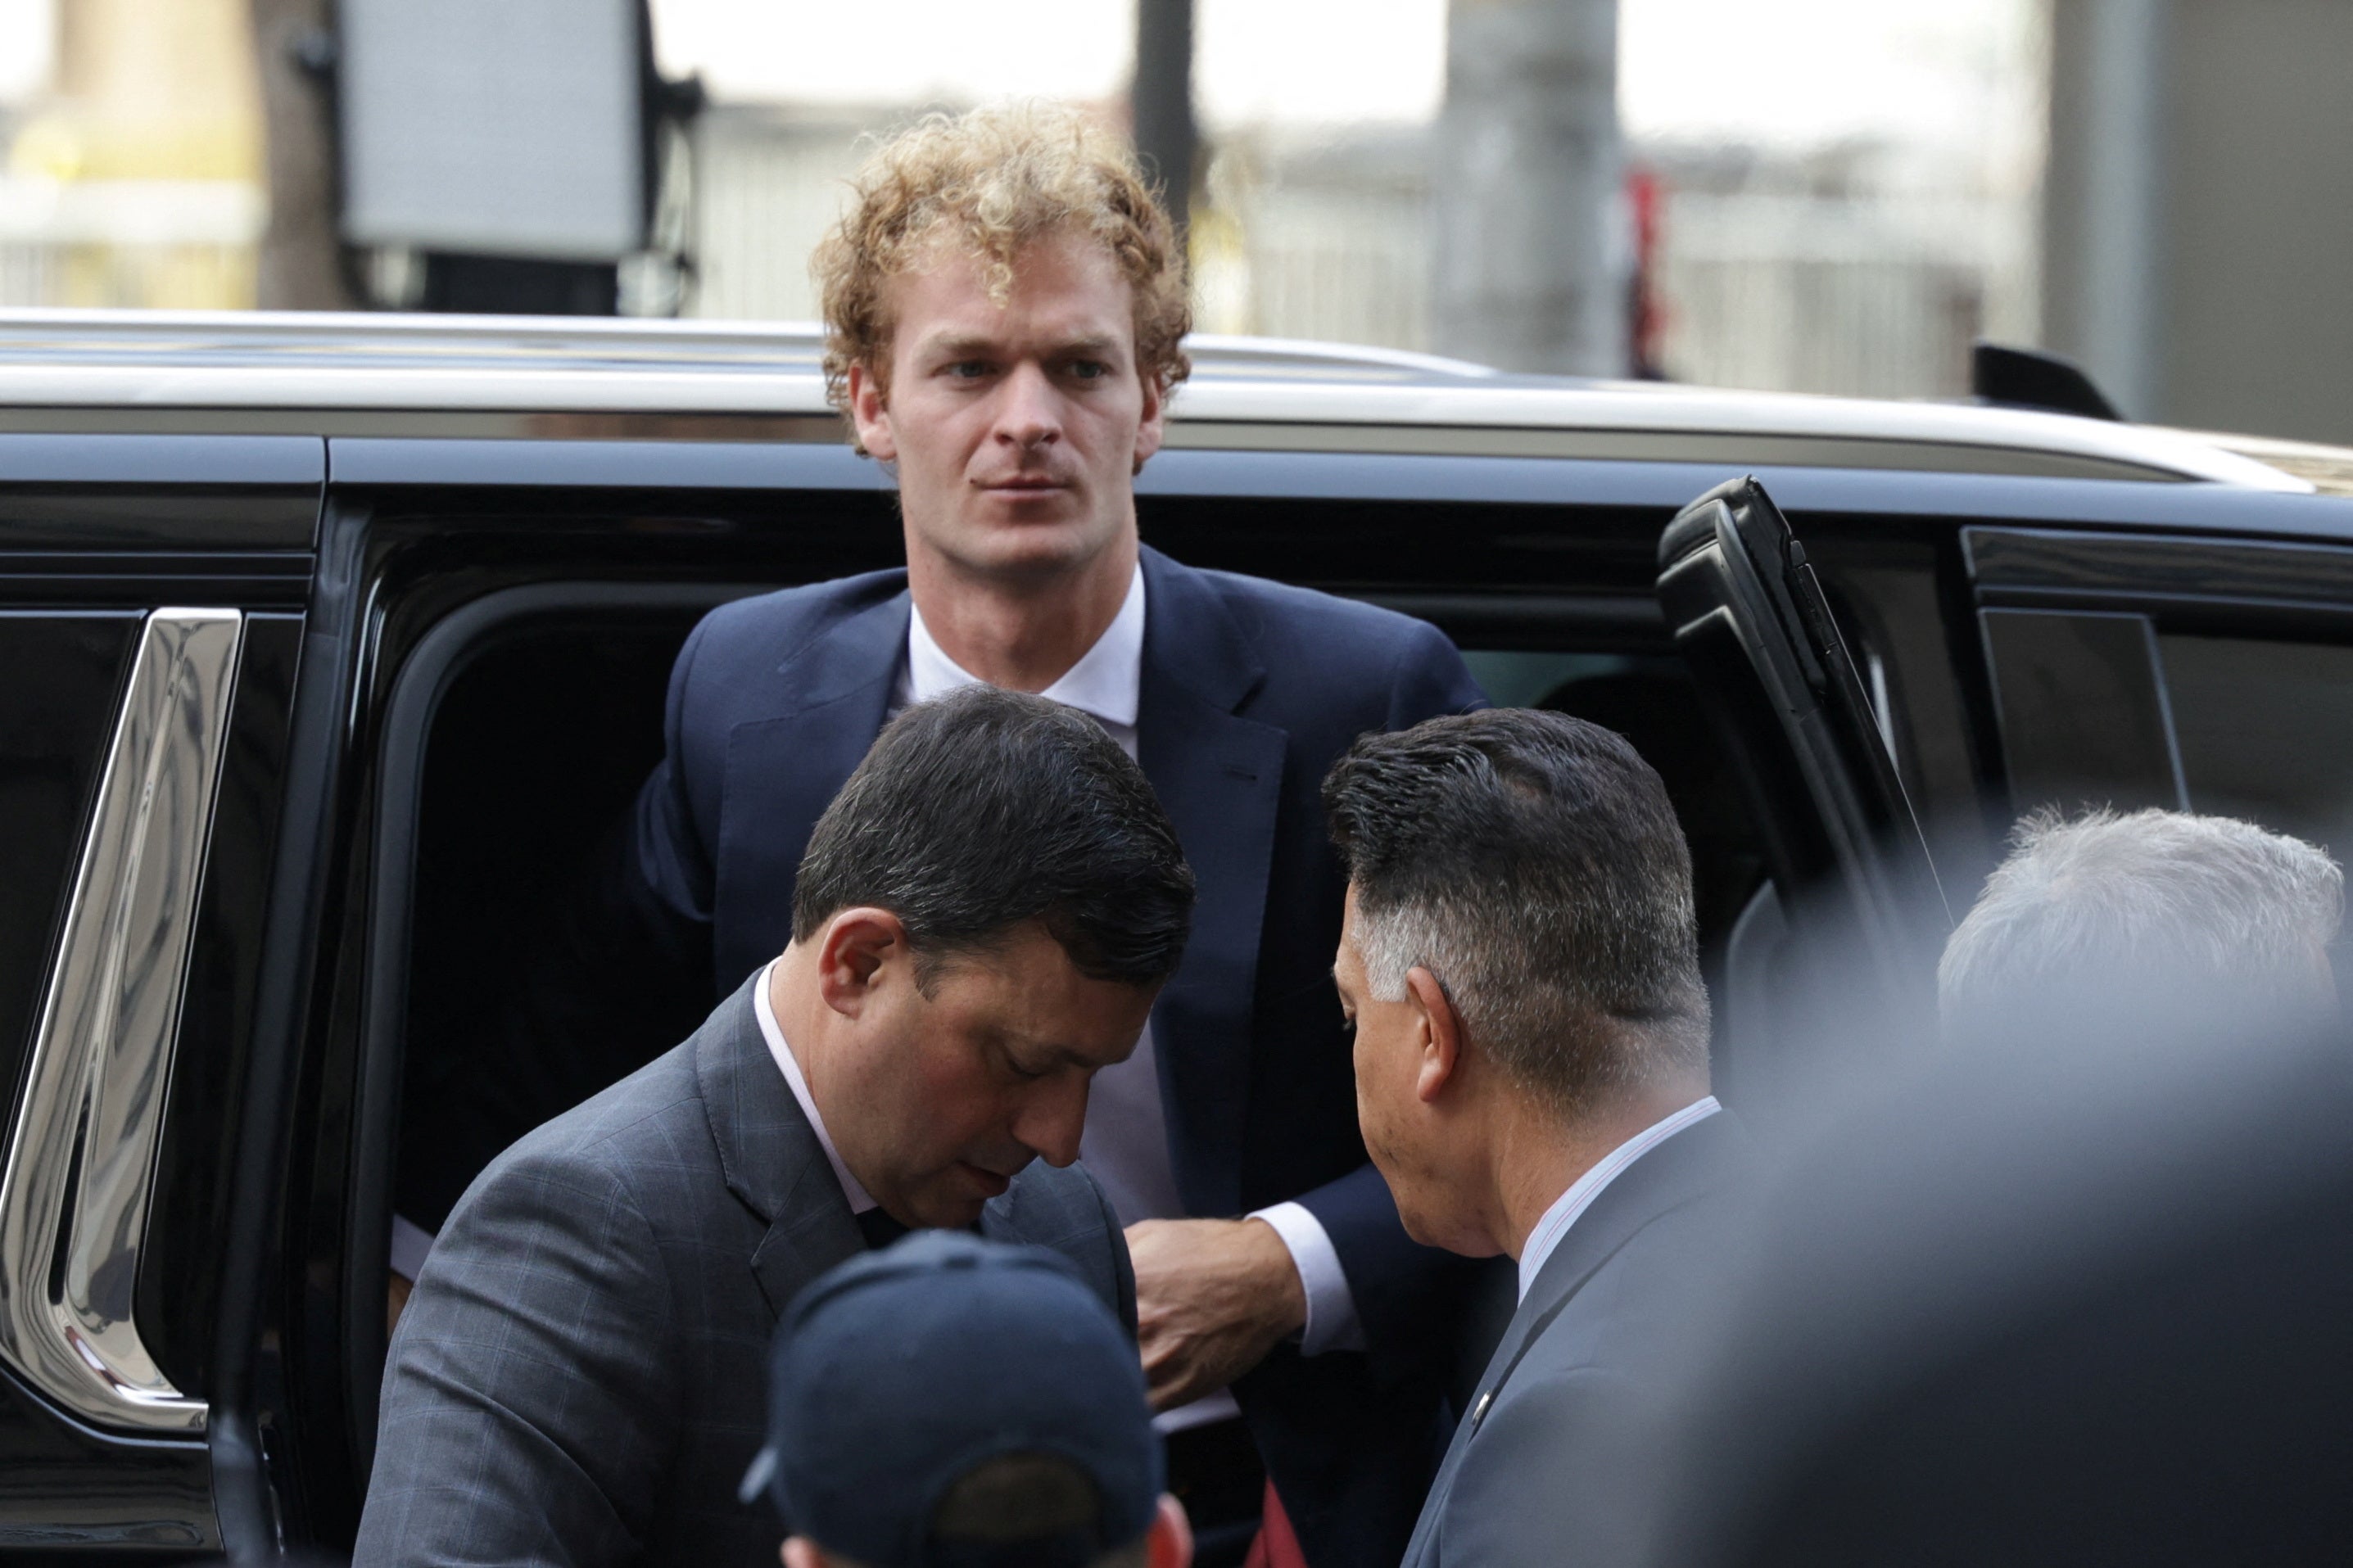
x=1060, y=289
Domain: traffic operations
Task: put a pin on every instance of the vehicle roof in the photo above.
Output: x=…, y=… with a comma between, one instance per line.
x=535, y=376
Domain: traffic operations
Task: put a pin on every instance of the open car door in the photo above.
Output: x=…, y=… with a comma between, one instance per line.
x=1854, y=880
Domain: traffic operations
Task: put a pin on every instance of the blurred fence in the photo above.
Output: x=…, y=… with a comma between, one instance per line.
x=1872, y=295
x=146, y=244
x=766, y=185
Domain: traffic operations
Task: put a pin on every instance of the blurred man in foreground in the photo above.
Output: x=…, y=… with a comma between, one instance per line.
x=1520, y=960
x=2102, y=919
x=2077, y=1294
x=983, y=917
x=951, y=1403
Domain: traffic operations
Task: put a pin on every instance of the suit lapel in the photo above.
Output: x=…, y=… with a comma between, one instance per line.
x=770, y=1155
x=783, y=772
x=1689, y=1165
x=1219, y=776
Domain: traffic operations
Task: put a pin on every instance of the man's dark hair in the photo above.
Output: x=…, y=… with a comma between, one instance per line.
x=985, y=809
x=1531, y=862
x=1004, y=1503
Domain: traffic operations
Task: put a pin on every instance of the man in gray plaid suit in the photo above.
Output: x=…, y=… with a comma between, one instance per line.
x=983, y=919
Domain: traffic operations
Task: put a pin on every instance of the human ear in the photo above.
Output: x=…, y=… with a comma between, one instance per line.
x=854, y=957
x=1441, y=1033
x=870, y=414
x=1169, y=1544
x=1153, y=427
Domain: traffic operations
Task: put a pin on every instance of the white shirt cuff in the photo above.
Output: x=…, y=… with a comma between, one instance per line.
x=1331, y=1309
x=410, y=1243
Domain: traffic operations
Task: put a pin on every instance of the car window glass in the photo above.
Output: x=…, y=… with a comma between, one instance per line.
x=1523, y=678
x=2081, y=711
x=60, y=675
x=2265, y=731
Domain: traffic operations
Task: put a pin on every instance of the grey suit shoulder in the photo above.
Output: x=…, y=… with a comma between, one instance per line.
x=1557, y=1461
x=577, y=1378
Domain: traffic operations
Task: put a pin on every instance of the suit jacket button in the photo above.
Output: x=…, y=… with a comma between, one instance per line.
x=1479, y=1410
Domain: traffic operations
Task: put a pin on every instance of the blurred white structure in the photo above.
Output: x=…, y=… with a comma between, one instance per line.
x=129, y=153
x=1769, y=280
x=1849, y=189
x=1531, y=266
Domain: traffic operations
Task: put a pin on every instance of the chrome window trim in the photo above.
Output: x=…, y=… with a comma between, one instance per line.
x=82, y=1152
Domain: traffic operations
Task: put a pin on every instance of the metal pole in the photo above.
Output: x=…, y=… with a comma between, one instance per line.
x=2125, y=105
x=1532, y=260
x=1166, y=134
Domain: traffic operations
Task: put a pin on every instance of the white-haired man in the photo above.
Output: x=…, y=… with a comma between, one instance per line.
x=2124, y=920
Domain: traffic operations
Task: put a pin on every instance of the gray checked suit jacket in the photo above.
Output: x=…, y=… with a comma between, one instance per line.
x=580, y=1375
x=1558, y=1463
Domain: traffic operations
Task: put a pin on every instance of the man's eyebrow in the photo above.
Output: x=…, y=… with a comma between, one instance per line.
x=959, y=345
x=962, y=345
x=1032, y=1049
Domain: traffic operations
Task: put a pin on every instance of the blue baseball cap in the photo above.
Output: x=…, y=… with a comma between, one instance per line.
x=898, y=1373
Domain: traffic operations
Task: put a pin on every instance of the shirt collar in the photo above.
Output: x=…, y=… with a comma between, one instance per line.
x=1571, y=1206
x=770, y=1031
x=1104, y=682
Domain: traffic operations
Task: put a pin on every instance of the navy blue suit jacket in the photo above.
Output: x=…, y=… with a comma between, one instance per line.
x=1250, y=690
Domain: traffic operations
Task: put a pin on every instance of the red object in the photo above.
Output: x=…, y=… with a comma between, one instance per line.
x=1647, y=330
x=1276, y=1545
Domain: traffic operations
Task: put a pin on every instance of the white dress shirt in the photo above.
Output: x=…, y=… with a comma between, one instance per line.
x=1125, y=1140
x=786, y=1063
x=1571, y=1206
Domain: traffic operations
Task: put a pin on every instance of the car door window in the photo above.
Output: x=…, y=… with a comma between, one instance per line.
x=2082, y=709
x=56, y=710
x=2265, y=731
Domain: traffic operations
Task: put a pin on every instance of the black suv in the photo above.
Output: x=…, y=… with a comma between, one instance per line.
x=330, y=647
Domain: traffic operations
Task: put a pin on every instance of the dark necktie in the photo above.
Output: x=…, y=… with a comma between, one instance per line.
x=879, y=1228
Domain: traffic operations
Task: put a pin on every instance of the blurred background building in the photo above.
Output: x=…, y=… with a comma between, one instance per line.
x=1821, y=196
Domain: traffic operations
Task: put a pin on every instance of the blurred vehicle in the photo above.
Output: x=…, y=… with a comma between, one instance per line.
x=330, y=646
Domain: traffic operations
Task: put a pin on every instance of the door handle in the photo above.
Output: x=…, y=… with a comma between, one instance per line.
x=81, y=1151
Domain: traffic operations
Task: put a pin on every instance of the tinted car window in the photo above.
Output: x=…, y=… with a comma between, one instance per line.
x=2083, y=717
x=2265, y=731
x=58, y=678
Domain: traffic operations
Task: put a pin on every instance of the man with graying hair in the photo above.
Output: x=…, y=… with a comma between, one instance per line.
x=1519, y=957
x=2124, y=921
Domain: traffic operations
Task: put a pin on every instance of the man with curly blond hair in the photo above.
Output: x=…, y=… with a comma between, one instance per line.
x=1006, y=308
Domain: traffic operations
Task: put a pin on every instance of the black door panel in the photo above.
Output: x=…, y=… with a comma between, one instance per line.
x=1846, y=851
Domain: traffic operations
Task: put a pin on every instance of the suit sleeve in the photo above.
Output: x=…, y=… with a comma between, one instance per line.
x=670, y=865
x=1560, y=1475
x=1430, y=680
x=1401, y=1289
x=525, y=1417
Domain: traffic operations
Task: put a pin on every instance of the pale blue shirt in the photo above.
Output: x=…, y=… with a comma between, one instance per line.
x=1571, y=1206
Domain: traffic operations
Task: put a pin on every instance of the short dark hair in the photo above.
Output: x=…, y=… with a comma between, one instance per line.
x=983, y=809
x=1532, y=863
x=1015, y=1499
